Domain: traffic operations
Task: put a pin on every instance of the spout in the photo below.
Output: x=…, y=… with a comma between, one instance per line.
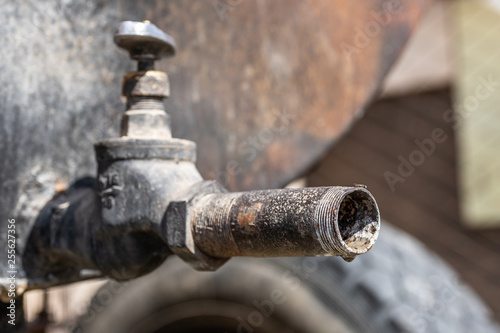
x=340, y=221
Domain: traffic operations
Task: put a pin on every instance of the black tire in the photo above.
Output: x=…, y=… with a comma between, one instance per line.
x=397, y=287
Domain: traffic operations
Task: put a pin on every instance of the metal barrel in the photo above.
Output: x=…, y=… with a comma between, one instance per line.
x=340, y=221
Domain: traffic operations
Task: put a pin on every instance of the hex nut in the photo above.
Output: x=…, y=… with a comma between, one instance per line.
x=146, y=83
x=176, y=226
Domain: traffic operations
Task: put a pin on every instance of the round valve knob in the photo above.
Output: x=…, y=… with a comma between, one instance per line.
x=144, y=41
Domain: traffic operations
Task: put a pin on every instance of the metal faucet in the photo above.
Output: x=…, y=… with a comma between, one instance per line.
x=150, y=201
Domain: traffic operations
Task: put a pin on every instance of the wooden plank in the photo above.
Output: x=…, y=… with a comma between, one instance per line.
x=375, y=165
x=477, y=93
x=411, y=126
x=387, y=142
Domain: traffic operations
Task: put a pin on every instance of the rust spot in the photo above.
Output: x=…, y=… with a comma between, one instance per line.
x=246, y=219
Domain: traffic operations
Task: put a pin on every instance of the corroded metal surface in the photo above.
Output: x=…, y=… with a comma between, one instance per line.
x=286, y=80
x=342, y=221
x=263, y=87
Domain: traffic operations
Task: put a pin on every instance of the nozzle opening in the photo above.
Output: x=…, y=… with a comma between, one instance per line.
x=358, y=221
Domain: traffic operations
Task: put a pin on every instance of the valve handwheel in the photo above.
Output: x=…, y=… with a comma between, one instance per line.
x=145, y=42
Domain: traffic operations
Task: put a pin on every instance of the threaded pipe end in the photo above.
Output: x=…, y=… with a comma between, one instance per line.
x=347, y=221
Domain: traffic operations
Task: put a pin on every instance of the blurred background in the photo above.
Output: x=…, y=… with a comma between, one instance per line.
x=427, y=148
x=447, y=79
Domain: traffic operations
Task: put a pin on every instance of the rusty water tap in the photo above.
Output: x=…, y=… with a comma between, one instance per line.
x=209, y=226
x=151, y=202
